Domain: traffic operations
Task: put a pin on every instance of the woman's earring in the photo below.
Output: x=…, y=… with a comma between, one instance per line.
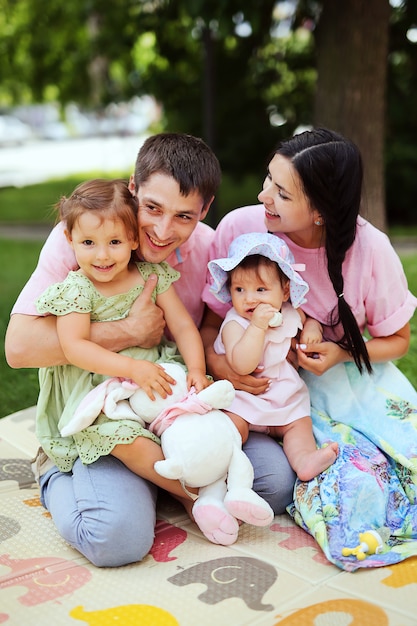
x=318, y=223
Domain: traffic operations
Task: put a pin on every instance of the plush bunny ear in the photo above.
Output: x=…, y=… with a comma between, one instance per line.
x=116, y=405
x=219, y=395
x=109, y=398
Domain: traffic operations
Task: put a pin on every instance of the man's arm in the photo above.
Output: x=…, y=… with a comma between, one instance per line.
x=32, y=341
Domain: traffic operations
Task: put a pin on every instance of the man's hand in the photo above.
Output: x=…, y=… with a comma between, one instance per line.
x=220, y=369
x=145, y=321
x=33, y=341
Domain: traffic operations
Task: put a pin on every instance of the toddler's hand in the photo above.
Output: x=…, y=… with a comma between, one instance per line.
x=152, y=378
x=198, y=380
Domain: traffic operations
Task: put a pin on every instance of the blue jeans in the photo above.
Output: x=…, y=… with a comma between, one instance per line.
x=108, y=513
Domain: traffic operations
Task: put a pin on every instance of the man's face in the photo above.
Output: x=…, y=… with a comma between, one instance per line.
x=166, y=218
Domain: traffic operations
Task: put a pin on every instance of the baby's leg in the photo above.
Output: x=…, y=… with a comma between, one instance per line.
x=300, y=447
x=241, y=424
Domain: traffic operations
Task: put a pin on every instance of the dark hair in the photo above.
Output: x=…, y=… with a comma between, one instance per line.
x=107, y=198
x=331, y=172
x=185, y=158
x=254, y=262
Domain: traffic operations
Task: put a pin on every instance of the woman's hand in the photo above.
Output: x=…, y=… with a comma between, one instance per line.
x=317, y=358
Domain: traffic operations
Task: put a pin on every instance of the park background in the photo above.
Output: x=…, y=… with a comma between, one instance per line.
x=239, y=74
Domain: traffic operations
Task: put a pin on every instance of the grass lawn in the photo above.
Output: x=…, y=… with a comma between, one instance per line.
x=33, y=204
x=19, y=388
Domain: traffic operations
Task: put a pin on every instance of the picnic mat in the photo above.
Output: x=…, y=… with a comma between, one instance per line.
x=274, y=575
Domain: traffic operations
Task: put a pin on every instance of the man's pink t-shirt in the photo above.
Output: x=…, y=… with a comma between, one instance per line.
x=375, y=285
x=57, y=259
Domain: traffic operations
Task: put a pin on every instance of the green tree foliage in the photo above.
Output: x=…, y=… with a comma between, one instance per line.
x=221, y=84
x=215, y=65
x=66, y=51
x=213, y=78
x=401, y=128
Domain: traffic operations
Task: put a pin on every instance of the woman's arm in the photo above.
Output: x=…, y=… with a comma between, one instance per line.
x=380, y=349
x=33, y=341
x=216, y=363
x=389, y=348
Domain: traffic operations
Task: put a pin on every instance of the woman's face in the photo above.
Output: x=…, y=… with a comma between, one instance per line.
x=287, y=209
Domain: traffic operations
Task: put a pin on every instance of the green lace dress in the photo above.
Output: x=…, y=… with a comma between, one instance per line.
x=63, y=387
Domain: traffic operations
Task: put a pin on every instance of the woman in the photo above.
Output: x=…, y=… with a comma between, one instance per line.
x=311, y=197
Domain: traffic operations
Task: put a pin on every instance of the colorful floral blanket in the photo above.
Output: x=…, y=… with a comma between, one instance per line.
x=373, y=483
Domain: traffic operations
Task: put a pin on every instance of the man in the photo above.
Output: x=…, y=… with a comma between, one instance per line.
x=104, y=510
x=170, y=171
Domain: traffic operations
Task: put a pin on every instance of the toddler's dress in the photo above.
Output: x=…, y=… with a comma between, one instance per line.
x=63, y=387
x=287, y=399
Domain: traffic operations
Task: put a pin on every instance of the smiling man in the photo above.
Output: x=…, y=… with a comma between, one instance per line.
x=176, y=178
x=103, y=509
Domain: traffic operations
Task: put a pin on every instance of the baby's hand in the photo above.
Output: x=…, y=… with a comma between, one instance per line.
x=307, y=337
x=262, y=315
x=197, y=379
x=276, y=320
x=152, y=378
x=312, y=332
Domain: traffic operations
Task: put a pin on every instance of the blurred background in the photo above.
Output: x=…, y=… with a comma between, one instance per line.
x=82, y=83
x=240, y=74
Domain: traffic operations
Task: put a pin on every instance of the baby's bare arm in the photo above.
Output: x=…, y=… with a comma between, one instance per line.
x=312, y=331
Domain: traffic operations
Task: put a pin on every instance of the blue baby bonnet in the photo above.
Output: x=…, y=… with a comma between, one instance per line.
x=264, y=244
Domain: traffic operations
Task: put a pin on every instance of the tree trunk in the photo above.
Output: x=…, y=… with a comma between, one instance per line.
x=352, y=50
x=208, y=113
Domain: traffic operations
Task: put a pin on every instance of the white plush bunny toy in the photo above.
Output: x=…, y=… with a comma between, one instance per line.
x=201, y=446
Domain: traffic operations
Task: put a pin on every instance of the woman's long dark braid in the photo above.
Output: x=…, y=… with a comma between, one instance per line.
x=330, y=169
x=340, y=234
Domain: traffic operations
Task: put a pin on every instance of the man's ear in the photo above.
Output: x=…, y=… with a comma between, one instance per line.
x=206, y=208
x=131, y=185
